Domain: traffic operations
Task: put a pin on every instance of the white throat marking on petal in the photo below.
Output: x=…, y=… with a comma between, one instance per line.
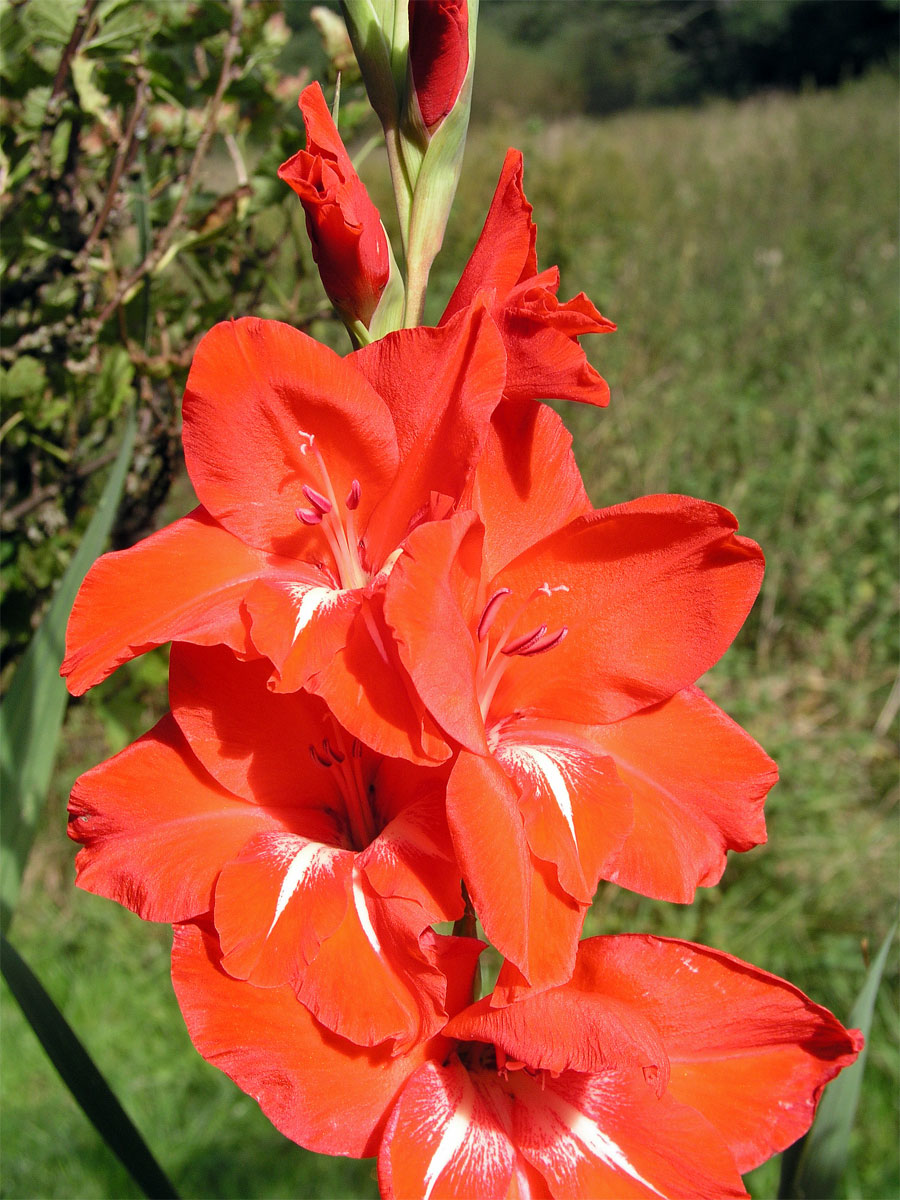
x=531, y=757
x=592, y=1137
x=452, y=1138
x=311, y=599
x=308, y=859
x=362, y=911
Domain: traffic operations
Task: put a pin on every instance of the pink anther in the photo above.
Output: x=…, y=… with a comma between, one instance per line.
x=545, y=643
x=521, y=644
x=353, y=495
x=319, y=502
x=489, y=616
x=308, y=516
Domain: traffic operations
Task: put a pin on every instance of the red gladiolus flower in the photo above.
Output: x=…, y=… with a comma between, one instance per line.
x=565, y=672
x=348, y=240
x=311, y=470
x=661, y=1068
x=315, y=857
x=438, y=55
x=540, y=334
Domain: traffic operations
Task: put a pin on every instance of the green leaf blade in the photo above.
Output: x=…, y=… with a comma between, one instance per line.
x=35, y=705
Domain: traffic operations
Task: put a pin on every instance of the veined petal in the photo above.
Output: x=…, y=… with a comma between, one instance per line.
x=656, y=591
x=412, y=858
x=609, y=1136
x=273, y=1048
x=698, y=783
x=257, y=390
x=567, y=1028
x=546, y=361
x=448, y=1137
x=156, y=829
x=441, y=386
x=184, y=583
x=366, y=686
x=380, y=951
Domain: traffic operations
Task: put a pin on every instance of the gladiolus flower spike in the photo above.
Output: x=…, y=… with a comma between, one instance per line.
x=417, y=678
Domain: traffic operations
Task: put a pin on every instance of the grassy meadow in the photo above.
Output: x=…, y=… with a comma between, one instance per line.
x=749, y=255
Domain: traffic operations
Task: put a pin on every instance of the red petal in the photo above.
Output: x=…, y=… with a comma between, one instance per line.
x=447, y=1138
x=367, y=688
x=157, y=829
x=657, y=590
x=274, y=1049
x=253, y=387
x=184, y=583
x=576, y=811
x=525, y=913
x=748, y=1050
x=545, y=359
x=568, y=1028
x=504, y=253
x=429, y=603
x=276, y=903
x=610, y=1137
x=528, y=484
x=398, y=988
x=698, y=782
x=239, y=729
x=441, y=386
x=413, y=856
x=300, y=626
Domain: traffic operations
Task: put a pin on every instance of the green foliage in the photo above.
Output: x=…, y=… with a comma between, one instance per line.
x=35, y=704
x=753, y=366
x=583, y=56
x=77, y=1069
x=140, y=205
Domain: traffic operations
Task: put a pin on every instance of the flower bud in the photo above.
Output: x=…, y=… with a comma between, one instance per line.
x=348, y=240
x=438, y=55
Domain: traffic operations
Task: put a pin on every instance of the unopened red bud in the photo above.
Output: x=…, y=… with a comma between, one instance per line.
x=438, y=54
x=348, y=241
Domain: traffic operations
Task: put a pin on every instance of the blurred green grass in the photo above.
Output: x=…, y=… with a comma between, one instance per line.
x=749, y=254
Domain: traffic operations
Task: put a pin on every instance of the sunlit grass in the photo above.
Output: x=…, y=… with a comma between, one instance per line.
x=749, y=254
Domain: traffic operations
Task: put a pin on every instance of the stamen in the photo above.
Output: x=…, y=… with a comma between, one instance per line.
x=520, y=645
x=336, y=755
x=489, y=616
x=319, y=502
x=317, y=757
x=308, y=516
x=545, y=643
x=353, y=495
x=356, y=748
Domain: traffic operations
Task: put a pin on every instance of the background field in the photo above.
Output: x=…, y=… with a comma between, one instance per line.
x=749, y=254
